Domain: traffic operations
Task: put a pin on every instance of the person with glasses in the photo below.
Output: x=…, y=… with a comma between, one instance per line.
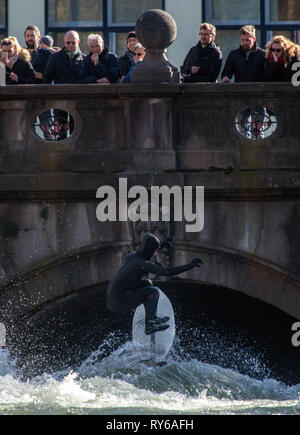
x=204, y=61
x=139, y=53
x=17, y=63
x=100, y=65
x=281, y=54
x=65, y=66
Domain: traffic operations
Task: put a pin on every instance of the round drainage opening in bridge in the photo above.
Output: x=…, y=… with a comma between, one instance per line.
x=255, y=123
x=53, y=125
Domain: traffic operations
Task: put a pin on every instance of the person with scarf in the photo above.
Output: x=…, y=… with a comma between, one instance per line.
x=17, y=62
x=65, y=65
x=281, y=54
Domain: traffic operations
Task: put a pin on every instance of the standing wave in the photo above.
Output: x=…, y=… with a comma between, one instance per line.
x=118, y=384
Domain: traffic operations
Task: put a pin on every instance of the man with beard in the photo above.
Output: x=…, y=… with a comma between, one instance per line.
x=203, y=62
x=32, y=36
x=246, y=63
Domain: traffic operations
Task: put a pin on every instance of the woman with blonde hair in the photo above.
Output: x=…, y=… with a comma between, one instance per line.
x=17, y=62
x=281, y=54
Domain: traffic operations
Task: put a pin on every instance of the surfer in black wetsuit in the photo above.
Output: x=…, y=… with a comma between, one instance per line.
x=127, y=290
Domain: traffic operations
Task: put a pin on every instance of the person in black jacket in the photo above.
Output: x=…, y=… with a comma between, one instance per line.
x=65, y=65
x=41, y=57
x=17, y=62
x=125, y=61
x=246, y=63
x=203, y=62
x=127, y=290
x=281, y=54
x=99, y=66
x=32, y=36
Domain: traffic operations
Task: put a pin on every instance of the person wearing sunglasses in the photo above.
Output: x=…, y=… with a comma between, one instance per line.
x=139, y=53
x=17, y=63
x=65, y=65
x=281, y=54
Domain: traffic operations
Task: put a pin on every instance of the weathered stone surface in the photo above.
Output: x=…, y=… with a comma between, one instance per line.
x=162, y=134
x=156, y=30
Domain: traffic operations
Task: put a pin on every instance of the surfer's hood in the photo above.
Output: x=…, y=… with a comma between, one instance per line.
x=149, y=245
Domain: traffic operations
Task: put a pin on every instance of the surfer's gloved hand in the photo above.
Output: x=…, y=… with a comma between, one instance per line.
x=168, y=243
x=196, y=262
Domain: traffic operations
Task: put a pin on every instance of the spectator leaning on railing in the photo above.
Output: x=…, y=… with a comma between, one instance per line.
x=99, y=66
x=65, y=65
x=41, y=57
x=281, y=54
x=246, y=63
x=139, y=53
x=204, y=61
x=17, y=62
x=125, y=61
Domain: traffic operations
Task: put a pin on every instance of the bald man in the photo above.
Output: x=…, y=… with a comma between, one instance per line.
x=65, y=66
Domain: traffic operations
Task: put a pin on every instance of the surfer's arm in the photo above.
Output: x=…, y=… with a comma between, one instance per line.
x=169, y=271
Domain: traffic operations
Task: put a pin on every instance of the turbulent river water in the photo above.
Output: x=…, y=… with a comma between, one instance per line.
x=114, y=385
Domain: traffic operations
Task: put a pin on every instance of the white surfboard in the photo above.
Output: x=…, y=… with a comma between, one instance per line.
x=154, y=347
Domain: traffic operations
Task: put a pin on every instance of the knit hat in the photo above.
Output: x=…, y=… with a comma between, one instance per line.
x=131, y=35
x=47, y=40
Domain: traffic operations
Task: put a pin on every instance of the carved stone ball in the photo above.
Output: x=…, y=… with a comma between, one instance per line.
x=156, y=29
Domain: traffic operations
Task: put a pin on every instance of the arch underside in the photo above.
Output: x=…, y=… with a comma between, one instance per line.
x=225, y=268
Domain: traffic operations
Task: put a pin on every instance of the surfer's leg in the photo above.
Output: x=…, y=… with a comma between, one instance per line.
x=152, y=322
x=148, y=296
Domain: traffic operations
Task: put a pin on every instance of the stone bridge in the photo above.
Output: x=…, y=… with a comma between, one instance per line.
x=52, y=245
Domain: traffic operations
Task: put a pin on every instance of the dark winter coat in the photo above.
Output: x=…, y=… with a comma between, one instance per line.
x=60, y=69
x=277, y=72
x=40, y=60
x=245, y=69
x=125, y=63
x=108, y=67
x=208, y=58
x=23, y=69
